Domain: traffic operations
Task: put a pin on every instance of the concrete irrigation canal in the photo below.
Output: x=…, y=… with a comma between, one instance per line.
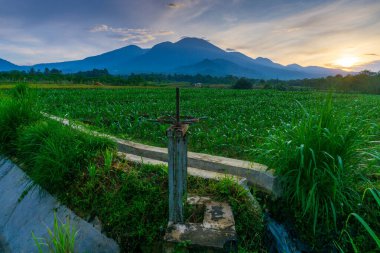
x=25, y=210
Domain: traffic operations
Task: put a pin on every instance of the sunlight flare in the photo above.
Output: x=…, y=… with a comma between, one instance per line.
x=347, y=61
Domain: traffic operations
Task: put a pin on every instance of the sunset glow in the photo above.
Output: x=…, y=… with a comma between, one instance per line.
x=347, y=61
x=309, y=33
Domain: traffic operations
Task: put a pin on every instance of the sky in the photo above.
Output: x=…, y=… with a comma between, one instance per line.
x=329, y=33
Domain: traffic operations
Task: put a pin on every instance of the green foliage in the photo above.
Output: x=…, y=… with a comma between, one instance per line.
x=21, y=91
x=318, y=162
x=61, y=239
x=364, y=82
x=55, y=154
x=108, y=157
x=237, y=120
x=103, y=76
x=15, y=113
x=92, y=171
x=81, y=171
x=131, y=203
x=243, y=84
x=366, y=226
x=352, y=234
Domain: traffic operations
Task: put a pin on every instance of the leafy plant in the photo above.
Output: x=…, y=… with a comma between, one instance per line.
x=370, y=232
x=92, y=171
x=56, y=154
x=108, y=158
x=21, y=91
x=61, y=239
x=14, y=113
x=317, y=160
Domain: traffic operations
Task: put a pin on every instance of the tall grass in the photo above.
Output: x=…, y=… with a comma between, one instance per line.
x=368, y=222
x=15, y=112
x=318, y=162
x=55, y=154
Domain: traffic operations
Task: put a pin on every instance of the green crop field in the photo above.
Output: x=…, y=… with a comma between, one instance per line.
x=324, y=147
x=237, y=121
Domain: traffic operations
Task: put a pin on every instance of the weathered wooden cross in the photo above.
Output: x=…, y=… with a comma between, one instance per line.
x=177, y=160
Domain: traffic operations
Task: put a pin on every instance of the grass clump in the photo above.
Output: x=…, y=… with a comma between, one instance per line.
x=15, y=111
x=61, y=239
x=318, y=161
x=21, y=91
x=55, y=155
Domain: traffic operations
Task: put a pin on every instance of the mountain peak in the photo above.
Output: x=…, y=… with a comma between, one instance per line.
x=194, y=42
x=263, y=60
x=294, y=65
x=4, y=61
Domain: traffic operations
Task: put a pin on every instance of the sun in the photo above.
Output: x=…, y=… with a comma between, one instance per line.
x=347, y=61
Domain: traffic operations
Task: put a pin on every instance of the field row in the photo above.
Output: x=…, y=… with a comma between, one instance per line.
x=237, y=121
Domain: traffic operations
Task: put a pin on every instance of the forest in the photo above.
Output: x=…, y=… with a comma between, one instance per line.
x=363, y=82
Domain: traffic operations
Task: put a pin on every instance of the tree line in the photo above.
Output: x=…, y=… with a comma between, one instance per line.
x=364, y=82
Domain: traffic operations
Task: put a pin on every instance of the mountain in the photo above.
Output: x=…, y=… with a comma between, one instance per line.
x=111, y=61
x=187, y=56
x=8, y=66
x=315, y=70
x=217, y=67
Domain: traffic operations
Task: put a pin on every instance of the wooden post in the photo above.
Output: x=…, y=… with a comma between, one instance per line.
x=177, y=163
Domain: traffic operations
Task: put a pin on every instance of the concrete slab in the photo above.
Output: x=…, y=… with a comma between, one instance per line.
x=218, y=215
x=256, y=174
x=191, y=171
x=215, y=234
x=24, y=211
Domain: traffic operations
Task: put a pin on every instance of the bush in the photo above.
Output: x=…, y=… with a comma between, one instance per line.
x=21, y=91
x=317, y=159
x=242, y=83
x=55, y=154
x=14, y=113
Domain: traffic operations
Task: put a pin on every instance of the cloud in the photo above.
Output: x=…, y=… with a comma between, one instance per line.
x=230, y=19
x=184, y=11
x=131, y=35
x=175, y=5
x=372, y=66
x=372, y=54
x=317, y=35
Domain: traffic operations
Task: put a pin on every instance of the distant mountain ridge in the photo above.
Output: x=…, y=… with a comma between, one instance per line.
x=8, y=66
x=186, y=56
